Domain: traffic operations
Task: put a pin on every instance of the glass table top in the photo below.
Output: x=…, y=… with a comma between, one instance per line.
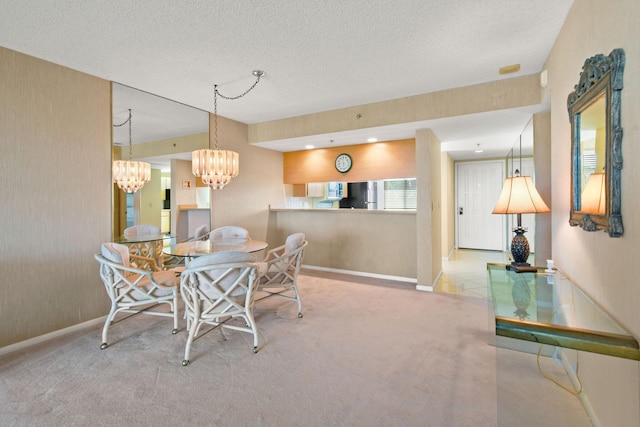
x=548, y=308
x=142, y=238
x=199, y=247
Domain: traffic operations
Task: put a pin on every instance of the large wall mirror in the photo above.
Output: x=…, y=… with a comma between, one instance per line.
x=596, y=144
x=163, y=133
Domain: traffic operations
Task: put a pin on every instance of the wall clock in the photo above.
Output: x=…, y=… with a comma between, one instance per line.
x=343, y=163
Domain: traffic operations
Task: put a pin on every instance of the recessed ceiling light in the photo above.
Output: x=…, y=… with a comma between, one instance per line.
x=372, y=139
x=308, y=147
x=509, y=69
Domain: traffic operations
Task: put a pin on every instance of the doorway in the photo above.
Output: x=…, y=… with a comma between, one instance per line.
x=478, y=187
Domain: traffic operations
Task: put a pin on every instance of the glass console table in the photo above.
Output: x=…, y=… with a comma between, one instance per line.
x=547, y=308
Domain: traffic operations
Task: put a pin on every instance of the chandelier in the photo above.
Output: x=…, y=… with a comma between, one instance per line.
x=128, y=174
x=217, y=167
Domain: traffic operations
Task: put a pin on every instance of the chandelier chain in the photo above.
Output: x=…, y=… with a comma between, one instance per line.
x=231, y=98
x=122, y=124
x=258, y=74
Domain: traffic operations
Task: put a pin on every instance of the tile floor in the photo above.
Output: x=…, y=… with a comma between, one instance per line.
x=465, y=273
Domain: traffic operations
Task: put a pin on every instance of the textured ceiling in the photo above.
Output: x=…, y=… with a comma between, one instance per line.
x=318, y=55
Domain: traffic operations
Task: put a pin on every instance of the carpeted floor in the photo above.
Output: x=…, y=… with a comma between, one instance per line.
x=366, y=353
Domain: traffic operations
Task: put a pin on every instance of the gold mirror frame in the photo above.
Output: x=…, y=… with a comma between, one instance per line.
x=601, y=76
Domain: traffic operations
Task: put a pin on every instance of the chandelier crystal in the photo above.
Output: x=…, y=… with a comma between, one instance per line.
x=130, y=175
x=218, y=167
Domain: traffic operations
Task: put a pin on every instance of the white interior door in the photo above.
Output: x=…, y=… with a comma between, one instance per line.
x=478, y=187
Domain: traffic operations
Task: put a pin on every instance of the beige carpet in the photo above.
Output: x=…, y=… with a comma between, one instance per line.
x=367, y=353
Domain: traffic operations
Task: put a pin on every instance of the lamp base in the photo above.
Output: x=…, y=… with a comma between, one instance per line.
x=520, y=248
x=521, y=268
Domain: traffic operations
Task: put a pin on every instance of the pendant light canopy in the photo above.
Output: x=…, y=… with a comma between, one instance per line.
x=218, y=167
x=130, y=175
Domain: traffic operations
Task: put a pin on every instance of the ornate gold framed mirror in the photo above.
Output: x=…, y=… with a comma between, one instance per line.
x=596, y=144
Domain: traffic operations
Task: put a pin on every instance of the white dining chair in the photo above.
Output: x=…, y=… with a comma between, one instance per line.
x=135, y=290
x=215, y=289
x=201, y=233
x=278, y=272
x=141, y=230
x=229, y=232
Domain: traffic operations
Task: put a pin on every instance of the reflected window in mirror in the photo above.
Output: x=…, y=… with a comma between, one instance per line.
x=596, y=144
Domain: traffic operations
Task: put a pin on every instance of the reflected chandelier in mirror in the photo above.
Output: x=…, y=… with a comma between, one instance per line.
x=596, y=144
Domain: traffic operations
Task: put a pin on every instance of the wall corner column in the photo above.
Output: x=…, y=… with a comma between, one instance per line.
x=542, y=166
x=428, y=212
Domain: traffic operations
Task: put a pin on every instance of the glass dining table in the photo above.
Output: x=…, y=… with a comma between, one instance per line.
x=192, y=249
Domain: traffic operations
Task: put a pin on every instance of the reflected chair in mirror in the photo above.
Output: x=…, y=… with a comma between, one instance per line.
x=134, y=290
x=177, y=262
x=278, y=272
x=141, y=230
x=216, y=290
x=229, y=232
x=201, y=233
x=141, y=246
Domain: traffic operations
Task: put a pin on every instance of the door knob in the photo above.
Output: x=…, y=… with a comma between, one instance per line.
x=460, y=211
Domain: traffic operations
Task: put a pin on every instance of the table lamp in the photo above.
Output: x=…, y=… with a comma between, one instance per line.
x=519, y=196
x=593, y=198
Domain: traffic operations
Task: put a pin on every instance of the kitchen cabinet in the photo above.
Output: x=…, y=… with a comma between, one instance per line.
x=311, y=189
x=165, y=221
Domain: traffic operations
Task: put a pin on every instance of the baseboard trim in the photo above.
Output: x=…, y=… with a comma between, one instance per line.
x=50, y=336
x=362, y=273
x=448, y=257
x=432, y=288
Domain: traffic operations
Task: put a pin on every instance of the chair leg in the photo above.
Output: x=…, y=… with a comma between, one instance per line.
x=252, y=324
x=295, y=291
x=105, y=328
x=175, y=314
x=187, y=349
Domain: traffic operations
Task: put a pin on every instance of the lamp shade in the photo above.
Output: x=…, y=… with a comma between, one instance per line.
x=593, y=198
x=519, y=196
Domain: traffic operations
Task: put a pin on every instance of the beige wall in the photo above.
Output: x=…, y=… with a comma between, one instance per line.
x=151, y=201
x=428, y=212
x=497, y=95
x=542, y=165
x=245, y=200
x=171, y=146
x=603, y=266
x=360, y=240
x=55, y=151
x=448, y=204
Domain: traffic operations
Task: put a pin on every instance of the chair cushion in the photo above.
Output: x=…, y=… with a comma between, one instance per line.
x=294, y=241
x=116, y=252
x=166, y=278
